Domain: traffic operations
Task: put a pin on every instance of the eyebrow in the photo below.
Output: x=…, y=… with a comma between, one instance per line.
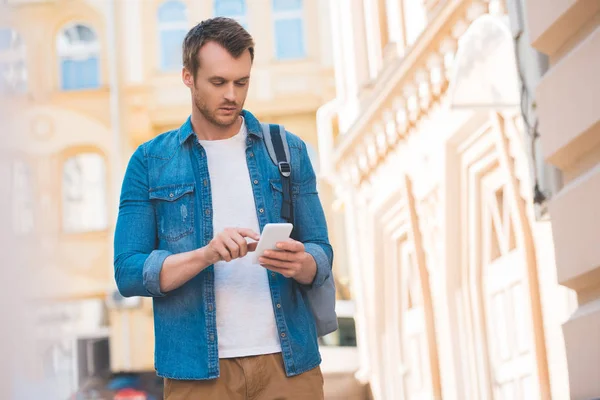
x=220, y=78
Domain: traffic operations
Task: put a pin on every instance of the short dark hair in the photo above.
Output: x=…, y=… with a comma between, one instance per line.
x=226, y=32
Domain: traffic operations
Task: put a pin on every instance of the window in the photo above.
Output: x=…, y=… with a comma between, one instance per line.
x=13, y=70
x=235, y=9
x=22, y=193
x=79, y=52
x=84, y=193
x=172, y=28
x=57, y=362
x=18, y=193
x=289, y=29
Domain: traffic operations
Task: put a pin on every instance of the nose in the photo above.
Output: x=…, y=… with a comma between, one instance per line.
x=230, y=93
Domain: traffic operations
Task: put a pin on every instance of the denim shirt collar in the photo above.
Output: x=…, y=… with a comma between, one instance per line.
x=252, y=125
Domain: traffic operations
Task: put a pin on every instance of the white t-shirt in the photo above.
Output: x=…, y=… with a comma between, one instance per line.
x=245, y=318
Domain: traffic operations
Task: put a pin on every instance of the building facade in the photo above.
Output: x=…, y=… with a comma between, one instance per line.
x=569, y=34
x=450, y=247
x=86, y=82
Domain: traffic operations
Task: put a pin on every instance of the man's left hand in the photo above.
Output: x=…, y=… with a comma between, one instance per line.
x=291, y=261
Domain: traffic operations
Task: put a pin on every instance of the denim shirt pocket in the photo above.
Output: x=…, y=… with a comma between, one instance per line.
x=174, y=208
x=277, y=196
x=299, y=189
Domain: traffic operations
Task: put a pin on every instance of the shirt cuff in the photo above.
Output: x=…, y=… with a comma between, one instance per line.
x=323, y=267
x=151, y=274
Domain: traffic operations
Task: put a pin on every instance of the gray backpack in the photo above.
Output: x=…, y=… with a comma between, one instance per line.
x=321, y=299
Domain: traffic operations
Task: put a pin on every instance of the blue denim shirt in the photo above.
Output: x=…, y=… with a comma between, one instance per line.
x=166, y=208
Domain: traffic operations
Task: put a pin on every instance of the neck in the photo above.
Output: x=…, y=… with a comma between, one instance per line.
x=207, y=130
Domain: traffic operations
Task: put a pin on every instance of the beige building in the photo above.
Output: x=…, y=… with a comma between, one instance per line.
x=568, y=32
x=434, y=160
x=87, y=81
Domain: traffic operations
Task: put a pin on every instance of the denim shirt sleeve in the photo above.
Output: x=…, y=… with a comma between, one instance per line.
x=310, y=225
x=136, y=261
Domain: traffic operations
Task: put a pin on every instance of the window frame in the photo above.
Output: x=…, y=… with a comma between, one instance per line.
x=289, y=15
x=79, y=53
x=67, y=156
x=15, y=54
x=163, y=26
x=241, y=18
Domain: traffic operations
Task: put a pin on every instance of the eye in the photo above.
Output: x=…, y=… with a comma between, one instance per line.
x=218, y=83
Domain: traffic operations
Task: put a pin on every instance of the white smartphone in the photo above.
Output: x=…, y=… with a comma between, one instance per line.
x=271, y=235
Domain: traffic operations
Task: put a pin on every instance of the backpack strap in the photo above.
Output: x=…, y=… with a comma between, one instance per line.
x=277, y=146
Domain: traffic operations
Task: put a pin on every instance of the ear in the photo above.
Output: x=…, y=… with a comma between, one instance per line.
x=187, y=78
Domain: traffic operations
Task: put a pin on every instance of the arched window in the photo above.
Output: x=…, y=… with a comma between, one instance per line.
x=13, y=68
x=172, y=28
x=84, y=193
x=288, y=17
x=235, y=9
x=79, y=52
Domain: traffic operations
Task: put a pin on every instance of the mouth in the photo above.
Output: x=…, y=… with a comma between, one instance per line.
x=228, y=109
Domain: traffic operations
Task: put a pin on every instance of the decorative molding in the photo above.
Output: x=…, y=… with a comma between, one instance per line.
x=409, y=94
x=431, y=227
x=525, y=235
x=42, y=127
x=416, y=237
x=430, y=5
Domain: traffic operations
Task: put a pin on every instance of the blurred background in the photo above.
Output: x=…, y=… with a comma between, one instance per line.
x=457, y=146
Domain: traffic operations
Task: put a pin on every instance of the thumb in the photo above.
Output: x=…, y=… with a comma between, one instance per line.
x=252, y=246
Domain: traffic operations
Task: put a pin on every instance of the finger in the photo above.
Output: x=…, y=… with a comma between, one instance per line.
x=223, y=252
x=248, y=233
x=280, y=255
x=232, y=247
x=252, y=246
x=241, y=242
x=291, y=245
x=288, y=273
x=289, y=265
x=276, y=264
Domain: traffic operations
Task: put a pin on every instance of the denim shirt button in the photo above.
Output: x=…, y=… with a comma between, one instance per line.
x=251, y=155
x=207, y=211
x=256, y=181
x=278, y=305
x=212, y=338
x=171, y=195
x=282, y=334
x=262, y=210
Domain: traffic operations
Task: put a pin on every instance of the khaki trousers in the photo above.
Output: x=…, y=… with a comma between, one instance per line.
x=250, y=378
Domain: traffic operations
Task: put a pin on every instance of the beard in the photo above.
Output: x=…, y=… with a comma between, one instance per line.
x=212, y=117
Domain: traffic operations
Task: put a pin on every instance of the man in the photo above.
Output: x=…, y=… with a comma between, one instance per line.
x=192, y=204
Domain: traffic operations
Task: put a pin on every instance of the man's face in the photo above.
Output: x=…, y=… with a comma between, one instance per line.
x=221, y=84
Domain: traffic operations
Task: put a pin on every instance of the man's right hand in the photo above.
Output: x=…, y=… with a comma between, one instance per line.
x=230, y=244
